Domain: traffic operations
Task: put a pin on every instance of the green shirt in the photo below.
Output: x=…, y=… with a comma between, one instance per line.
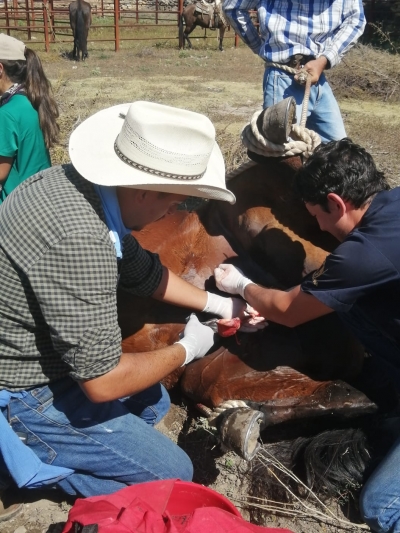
x=22, y=139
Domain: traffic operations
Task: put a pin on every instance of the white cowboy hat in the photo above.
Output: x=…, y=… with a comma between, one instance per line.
x=151, y=146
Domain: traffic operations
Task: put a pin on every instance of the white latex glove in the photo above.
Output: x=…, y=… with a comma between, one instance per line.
x=197, y=339
x=235, y=307
x=225, y=307
x=230, y=279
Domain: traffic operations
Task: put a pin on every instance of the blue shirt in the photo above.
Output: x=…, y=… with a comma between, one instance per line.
x=314, y=28
x=364, y=270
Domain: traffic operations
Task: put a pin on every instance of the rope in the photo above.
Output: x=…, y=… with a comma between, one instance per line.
x=240, y=169
x=229, y=404
x=212, y=414
x=303, y=141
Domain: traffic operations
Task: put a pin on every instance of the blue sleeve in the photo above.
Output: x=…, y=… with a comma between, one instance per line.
x=347, y=33
x=237, y=13
x=354, y=270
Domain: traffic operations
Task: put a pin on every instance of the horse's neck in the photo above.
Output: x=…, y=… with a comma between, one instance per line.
x=185, y=246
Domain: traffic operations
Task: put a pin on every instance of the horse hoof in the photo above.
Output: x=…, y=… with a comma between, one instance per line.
x=239, y=430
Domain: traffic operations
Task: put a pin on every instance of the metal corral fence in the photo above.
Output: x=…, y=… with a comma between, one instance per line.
x=47, y=21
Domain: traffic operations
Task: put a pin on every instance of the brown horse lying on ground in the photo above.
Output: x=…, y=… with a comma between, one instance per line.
x=198, y=15
x=283, y=373
x=80, y=18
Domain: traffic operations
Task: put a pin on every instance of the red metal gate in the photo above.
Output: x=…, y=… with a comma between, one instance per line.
x=47, y=21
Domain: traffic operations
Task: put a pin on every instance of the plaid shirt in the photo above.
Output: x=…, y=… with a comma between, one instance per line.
x=288, y=27
x=58, y=277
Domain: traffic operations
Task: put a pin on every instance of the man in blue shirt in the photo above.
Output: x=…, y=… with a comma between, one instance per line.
x=360, y=280
x=311, y=34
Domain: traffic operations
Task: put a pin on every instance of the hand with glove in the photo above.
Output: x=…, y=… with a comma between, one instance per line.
x=225, y=307
x=228, y=308
x=197, y=339
x=231, y=279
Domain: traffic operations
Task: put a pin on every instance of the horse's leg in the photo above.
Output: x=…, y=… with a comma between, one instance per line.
x=221, y=37
x=76, y=50
x=186, y=34
x=84, y=51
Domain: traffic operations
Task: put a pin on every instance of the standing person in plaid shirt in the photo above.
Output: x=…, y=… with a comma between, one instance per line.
x=85, y=410
x=310, y=34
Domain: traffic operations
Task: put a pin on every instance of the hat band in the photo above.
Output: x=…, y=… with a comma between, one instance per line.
x=153, y=171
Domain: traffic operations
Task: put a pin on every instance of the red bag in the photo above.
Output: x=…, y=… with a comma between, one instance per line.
x=168, y=506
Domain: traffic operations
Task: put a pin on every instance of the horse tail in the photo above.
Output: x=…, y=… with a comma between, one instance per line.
x=335, y=461
x=80, y=27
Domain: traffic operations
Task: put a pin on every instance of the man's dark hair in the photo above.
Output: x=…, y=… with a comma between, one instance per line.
x=340, y=167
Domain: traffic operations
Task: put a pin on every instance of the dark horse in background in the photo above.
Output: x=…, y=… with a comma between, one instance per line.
x=80, y=18
x=196, y=15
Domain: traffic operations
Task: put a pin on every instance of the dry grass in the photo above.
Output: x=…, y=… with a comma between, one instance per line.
x=367, y=73
x=227, y=88
x=299, y=501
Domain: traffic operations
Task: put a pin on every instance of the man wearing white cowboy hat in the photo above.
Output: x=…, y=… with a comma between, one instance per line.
x=79, y=404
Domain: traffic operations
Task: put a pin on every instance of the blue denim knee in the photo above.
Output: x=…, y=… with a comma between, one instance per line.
x=380, y=497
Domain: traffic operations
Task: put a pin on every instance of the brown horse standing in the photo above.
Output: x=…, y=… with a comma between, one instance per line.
x=80, y=18
x=193, y=18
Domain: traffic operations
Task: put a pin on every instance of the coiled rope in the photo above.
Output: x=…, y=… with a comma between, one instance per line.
x=302, y=140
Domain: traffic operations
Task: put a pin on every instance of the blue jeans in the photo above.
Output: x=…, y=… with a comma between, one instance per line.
x=380, y=497
x=383, y=366
x=323, y=111
x=109, y=445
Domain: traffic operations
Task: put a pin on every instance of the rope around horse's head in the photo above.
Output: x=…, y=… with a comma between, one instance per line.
x=303, y=141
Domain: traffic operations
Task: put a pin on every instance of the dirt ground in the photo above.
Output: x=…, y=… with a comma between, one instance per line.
x=228, y=88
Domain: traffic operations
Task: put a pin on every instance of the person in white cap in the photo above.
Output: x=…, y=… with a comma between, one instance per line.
x=28, y=114
x=66, y=241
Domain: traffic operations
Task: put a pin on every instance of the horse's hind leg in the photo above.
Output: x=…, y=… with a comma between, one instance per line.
x=221, y=37
x=75, y=52
x=85, y=54
x=186, y=37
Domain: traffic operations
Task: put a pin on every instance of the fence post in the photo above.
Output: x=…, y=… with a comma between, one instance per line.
x=116, y=24
x=236, y=40
x=137, y=11
x=102, y=9
x=156, y=11
x=46, y=27
x=53, y=31
x=15, y=10
x=7, y=17
x=28, y=20
x=180, y=9
x=33, y=13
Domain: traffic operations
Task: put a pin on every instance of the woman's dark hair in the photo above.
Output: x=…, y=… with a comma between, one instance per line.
x=340, y=167
x=38, y=89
